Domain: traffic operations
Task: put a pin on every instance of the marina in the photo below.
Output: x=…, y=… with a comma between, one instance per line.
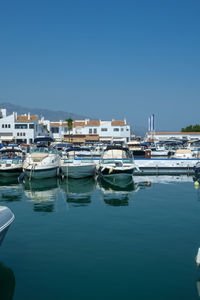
x=118, y=218
x=99, y=150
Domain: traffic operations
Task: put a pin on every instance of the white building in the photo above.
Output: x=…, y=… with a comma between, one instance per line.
x=27, y=128
x=160, y=136
x=20, y=129
x=7, y=125
x=108, y=131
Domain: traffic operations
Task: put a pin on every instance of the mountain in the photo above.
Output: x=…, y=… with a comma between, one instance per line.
x=57, y=115
x=52, y=115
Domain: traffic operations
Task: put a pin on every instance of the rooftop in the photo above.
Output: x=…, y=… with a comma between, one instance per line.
x=26, y=118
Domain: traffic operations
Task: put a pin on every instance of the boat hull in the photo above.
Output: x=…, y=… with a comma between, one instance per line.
x=120, y=177
x=42, y=173
x=10, y=171
x=6, y=218
x=78, y=171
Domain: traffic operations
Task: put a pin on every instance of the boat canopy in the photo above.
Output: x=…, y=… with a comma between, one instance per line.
x=10, y=149
x=116, y=152
x=76, y=149
x=116, y=147
x=41, y=139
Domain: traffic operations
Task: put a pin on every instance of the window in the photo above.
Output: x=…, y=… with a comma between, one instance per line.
x=116, y=129
x=55, y=130
x=104, y=129
x=21, y=126
x=90, y=130
x=127, y=129
x=18, y=134
x=2, y=125
x=8, y=125
x=24, y=133
x=31, y=126
x=122, y=129
x=95, y=130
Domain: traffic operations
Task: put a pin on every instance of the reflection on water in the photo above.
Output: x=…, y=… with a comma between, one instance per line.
x=7, y=282
x=43, y=193
x=165, y=179
x=8, y=180
x=10, y=190
x=117, y=182
x=75, y=252
x=114, y=195
x=78, y=191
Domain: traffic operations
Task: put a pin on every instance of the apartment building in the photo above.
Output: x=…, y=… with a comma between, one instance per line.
x=20, y=129
x=106, y=131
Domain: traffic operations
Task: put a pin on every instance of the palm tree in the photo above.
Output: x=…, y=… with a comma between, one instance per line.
x=69, y=126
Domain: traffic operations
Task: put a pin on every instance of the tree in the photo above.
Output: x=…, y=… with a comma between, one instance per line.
x=69, y=126
x=191, y=128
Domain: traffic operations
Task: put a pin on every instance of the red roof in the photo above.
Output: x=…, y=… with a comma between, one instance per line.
x=26, y=118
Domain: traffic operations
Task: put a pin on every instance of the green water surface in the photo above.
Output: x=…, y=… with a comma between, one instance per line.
x=80, y=239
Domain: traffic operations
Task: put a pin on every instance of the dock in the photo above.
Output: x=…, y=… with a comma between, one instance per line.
x=165, y=166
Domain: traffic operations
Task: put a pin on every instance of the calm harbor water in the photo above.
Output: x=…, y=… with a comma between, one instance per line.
x=86, y=240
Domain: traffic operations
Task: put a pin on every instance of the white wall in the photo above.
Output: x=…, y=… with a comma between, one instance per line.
x=7, y=127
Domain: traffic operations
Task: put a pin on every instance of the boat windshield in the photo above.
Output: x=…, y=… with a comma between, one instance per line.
x=117, y=154
x=10, y=154
x=43, y=150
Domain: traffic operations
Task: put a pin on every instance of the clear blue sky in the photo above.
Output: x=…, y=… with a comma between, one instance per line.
x=104, y=59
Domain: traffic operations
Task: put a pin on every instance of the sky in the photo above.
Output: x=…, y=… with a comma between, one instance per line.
x=104, y=59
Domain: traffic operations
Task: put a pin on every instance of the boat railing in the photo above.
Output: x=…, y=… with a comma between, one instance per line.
x=11, y=161
x=113, y=160
x=80, y=159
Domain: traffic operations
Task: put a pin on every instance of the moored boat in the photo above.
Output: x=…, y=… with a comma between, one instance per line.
x=42, y=162
x=11, y=160
x=116, y=166
x=75, y=166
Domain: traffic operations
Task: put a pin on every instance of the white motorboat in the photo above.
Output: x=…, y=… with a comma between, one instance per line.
x=11, y=160
x=116, y=166
x=42, y=162
x=74, y=166
x=6, y=218
x=183, y=153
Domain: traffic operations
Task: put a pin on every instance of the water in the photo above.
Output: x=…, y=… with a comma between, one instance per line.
x=80, y=240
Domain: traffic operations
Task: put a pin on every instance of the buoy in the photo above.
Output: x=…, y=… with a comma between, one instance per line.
x=197, y=258
x=196, y=184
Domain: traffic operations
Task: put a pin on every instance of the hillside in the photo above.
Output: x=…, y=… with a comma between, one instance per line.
x=52, y=115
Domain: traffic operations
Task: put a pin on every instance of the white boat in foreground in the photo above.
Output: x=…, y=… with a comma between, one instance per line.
x=6, y=218
x=42, y=162
x=74, y=166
